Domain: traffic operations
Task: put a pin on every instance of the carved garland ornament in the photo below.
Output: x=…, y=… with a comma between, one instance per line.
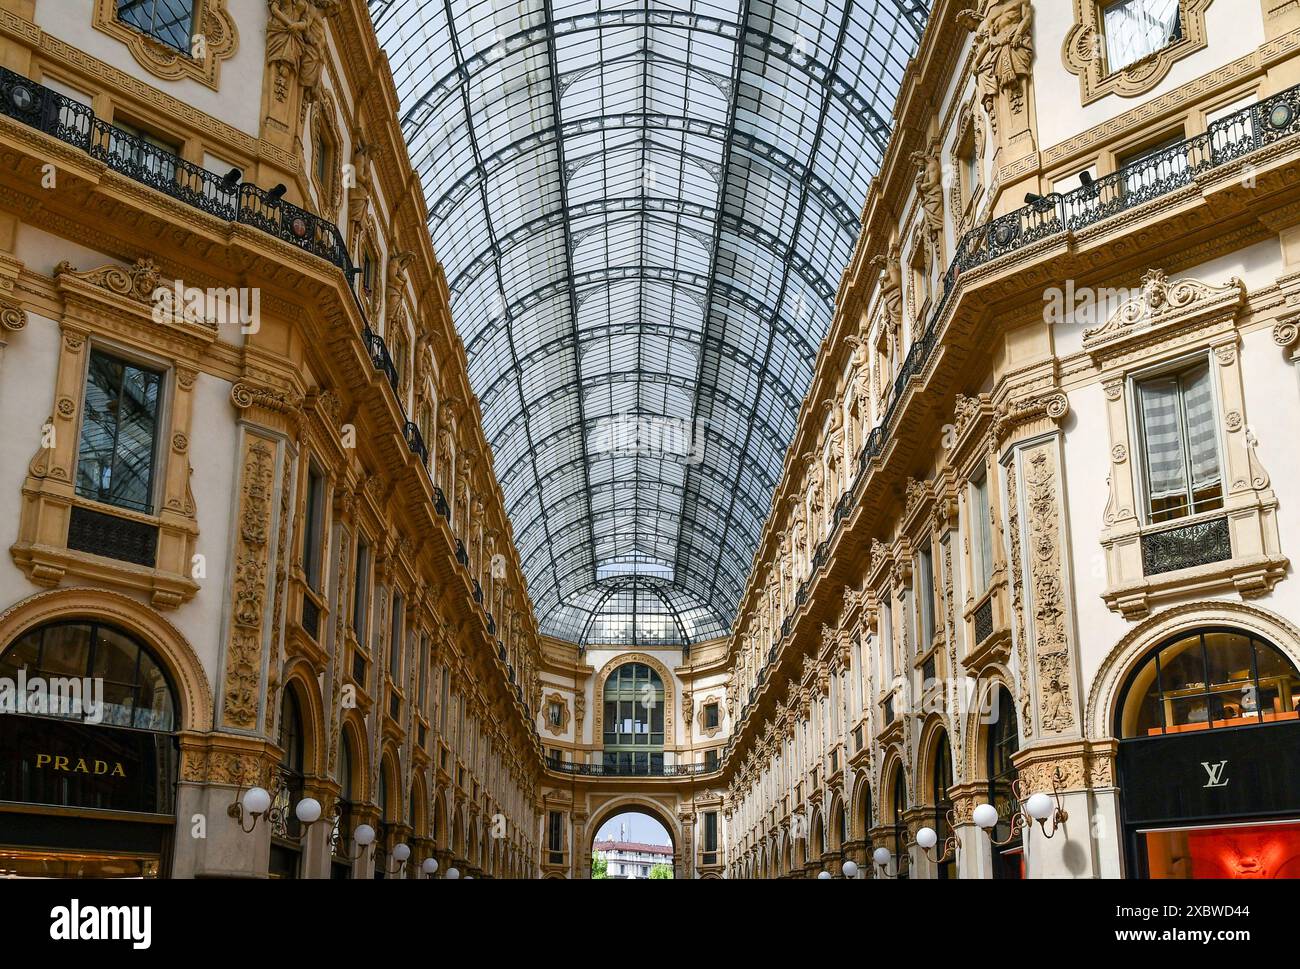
x=244, y=650
x=1056, y=708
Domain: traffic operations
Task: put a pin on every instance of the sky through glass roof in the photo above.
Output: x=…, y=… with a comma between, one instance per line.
x=643, y=210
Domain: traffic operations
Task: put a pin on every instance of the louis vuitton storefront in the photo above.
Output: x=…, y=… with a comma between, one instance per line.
x=1209, y=759
x=88, y=755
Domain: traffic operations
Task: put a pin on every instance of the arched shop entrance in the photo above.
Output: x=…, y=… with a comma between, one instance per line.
x=89, y=779
x=1208, y=755
x=633, y=837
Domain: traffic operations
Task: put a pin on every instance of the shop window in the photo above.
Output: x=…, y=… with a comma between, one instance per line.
x=169, y=22
x=1207, y=679
x=136, y=691
x=117, y=451
x=286, y=829
x=1178, y=433
x=898, y=823
x=1002, y=743
x=943, y=803
x=1232, y=851
x=1137, y=29
x=341, y=827
x=94, y=741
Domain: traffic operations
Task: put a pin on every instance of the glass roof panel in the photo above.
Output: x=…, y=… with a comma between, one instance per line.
x=643, y=209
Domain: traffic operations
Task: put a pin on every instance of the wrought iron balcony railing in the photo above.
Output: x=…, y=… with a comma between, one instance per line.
x=1227, y=140
x=629, y=770
x=1186, y=546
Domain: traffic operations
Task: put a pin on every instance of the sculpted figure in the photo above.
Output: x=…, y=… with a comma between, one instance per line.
x=1004, y=50
x=295, y=40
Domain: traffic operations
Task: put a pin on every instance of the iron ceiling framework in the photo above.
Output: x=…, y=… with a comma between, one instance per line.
x=643, y=211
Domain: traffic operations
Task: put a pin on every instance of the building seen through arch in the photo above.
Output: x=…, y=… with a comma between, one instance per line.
x=856, y=439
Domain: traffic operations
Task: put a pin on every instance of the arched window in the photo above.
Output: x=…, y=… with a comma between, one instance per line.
x=285, y=826
x=137, y=692
x=340, y=845
x=942, y=802
x=1217, y=677
x=1003, y=742
x=91, y=733
x=899, y=824
x=634, y=721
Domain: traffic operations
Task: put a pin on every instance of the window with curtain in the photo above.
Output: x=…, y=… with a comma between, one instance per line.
x=396, y=641
x=314, y=533
x=361, y=591
x=925, y=599
x=1136, y=29
x=1180, y=448
x=119, y=429
x=981, y=527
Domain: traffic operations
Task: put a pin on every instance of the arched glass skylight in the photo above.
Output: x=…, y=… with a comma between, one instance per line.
x=643, y=210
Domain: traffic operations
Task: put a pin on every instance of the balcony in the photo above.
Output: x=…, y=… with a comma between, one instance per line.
x=628, y=770
x=1186, y=546
x=1228, y=140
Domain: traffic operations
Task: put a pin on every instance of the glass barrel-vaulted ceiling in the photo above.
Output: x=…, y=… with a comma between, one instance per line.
x=643, y=210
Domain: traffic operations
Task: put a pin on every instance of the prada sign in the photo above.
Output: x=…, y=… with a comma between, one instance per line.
x=1211, y=774
x=44, y=760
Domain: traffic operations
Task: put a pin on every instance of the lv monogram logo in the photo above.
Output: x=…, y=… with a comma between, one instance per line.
x=1215, y=772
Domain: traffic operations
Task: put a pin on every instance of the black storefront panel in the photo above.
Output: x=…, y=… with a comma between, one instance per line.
x=72, y=764
x=1205, y=775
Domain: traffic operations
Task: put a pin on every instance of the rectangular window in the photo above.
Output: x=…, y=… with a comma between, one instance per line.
x=1180, y=448
x=312, y=536
x=119, y=430
x=423, y=660
x=555, y=836
x=710, y=716
x=139, y=148
x=981, y=526
x=556, y=713
x=361, y=592
x=710, y=830
x=925, y=598
x=1136, y=29
x=711, y=760
x=395, y=640
x=170, y=22
x=445, y=700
